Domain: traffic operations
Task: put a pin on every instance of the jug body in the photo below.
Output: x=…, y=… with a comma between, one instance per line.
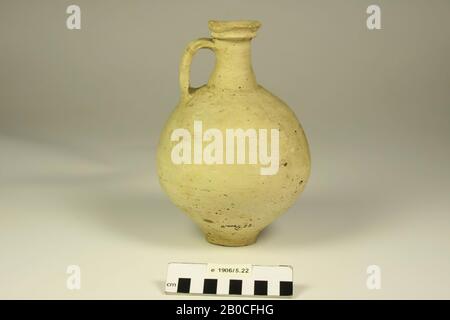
x=232, y=155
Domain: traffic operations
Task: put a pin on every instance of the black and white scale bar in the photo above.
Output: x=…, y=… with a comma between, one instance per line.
x=193, y=278
x=234, y=287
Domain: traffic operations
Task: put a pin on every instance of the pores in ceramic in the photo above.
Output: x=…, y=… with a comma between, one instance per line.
x=232, y=203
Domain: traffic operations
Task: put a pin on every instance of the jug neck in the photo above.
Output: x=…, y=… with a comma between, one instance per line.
x=233, y=69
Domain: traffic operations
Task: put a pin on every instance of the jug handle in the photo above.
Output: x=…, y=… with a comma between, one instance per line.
x=186, y=60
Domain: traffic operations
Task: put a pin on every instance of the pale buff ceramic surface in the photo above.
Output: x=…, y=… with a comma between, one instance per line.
x=233, y=203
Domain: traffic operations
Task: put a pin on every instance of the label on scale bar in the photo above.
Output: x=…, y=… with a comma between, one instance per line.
x=229, y=279
x=227, y=270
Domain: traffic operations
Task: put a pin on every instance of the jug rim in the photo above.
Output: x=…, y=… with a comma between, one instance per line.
x=233, y=29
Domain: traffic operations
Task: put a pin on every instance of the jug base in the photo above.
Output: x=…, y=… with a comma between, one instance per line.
x=231, y=242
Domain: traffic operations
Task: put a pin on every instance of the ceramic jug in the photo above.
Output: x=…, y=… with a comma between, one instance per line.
x=232, y=155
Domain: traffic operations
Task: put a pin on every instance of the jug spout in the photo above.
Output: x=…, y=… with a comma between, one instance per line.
x=232, y=45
